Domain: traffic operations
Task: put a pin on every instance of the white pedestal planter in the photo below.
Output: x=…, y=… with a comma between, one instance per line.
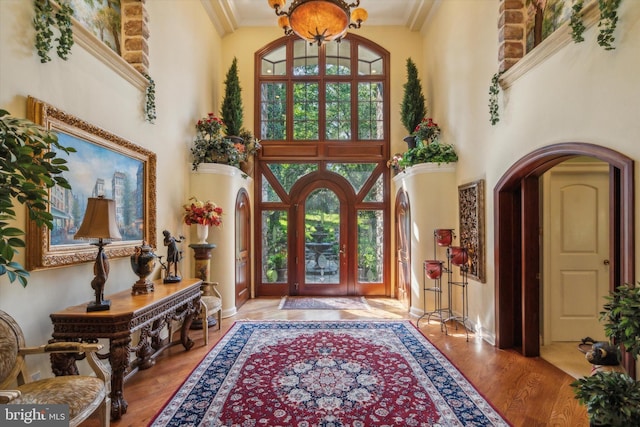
x=433, y=201
x=220, y=184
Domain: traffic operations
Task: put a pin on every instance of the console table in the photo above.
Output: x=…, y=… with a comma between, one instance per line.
x=149, y=314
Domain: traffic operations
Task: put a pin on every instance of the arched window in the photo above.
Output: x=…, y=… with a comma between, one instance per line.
x=321, y=113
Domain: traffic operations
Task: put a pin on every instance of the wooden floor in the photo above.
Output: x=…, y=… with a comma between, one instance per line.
x=526, y=391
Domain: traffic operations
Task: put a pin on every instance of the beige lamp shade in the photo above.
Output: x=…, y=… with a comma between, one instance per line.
x=99, y=220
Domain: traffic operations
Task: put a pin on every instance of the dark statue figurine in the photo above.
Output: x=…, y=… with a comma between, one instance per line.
x=174, y=255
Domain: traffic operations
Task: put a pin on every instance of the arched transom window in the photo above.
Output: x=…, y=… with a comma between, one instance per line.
x=322, y=185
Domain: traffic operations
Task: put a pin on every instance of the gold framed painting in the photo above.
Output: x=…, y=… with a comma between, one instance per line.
x=106, y=165
x=471, y=205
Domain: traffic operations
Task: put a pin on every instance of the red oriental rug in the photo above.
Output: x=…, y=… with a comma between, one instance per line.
x=330, y=374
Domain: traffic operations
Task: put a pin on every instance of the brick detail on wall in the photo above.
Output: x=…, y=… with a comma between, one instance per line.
x=135, y=34
x=511, y=33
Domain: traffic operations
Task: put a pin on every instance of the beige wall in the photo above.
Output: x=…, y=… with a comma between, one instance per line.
x=582, y=93
x=184, y=62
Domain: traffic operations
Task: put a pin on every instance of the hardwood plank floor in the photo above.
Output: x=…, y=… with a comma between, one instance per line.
x=526, y=391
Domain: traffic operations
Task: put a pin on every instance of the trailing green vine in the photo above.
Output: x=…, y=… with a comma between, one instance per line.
x=494, y=91
x=575, y=23
x=608, y=22
x=63, y=20
x=43, y=22
x=150, y=100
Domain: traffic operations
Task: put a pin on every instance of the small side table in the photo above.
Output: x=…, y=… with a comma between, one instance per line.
x=202, y=267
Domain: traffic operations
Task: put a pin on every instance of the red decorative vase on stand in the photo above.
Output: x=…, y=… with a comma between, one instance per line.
x=458, y=255
x=444, y=236
x=433, y=269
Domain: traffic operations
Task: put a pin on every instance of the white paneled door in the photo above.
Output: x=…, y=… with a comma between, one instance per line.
x=576, y=251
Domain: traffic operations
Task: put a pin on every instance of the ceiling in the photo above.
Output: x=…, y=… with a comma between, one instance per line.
x=229, y=15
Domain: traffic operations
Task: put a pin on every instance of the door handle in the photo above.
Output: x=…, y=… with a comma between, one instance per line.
x=605, y=262
x=343, y=251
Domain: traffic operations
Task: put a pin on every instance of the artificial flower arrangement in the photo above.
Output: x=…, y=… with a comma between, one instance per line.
x=428, y=148
x=211, y=146
x=204, y=213
x=427, y=131
x=251, y=144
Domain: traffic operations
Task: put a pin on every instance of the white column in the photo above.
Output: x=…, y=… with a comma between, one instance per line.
x=433, y=202
x=220, y=184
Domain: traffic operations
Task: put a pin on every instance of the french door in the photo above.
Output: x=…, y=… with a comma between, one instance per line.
x=324, y=230
x=320, y=243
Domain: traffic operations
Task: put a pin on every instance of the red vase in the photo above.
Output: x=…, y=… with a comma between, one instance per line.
x=444, y=236
x=433, y=269
x=458, y=255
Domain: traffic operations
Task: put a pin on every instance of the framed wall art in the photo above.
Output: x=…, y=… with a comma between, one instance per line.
x=103, y=165
x=471, y=205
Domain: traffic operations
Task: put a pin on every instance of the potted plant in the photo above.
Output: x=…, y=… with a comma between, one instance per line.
x=428, y=148
x=211, y=146
x=232, y=114
x=278, y=262
x=251, y=147
x=413, y=104
x=29, y=169
x=613, y=398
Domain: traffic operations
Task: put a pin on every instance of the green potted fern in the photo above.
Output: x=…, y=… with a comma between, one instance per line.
x=613, y=398
x=413, y=103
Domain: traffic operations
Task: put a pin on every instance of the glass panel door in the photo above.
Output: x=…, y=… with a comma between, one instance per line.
x=323, y=269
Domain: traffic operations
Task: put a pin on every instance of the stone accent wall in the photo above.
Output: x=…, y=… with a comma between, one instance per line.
x=135, y=34
x=511, y=33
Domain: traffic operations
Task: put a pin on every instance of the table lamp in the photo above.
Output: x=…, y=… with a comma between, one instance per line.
x=99, y=222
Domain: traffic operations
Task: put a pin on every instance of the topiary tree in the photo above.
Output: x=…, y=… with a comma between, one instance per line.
x=29, y=168
x=413, y=103
x=232, y=111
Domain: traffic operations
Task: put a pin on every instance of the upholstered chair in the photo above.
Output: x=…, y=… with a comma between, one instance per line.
x=211, y=304
x=84, y=394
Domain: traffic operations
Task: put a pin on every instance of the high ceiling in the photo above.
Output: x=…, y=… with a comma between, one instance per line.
x=229, y=15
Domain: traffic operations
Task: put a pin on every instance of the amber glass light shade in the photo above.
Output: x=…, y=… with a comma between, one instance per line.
x=319, y=21
x=433, y=269
x=276, y=3
x=283, y=22
x=359, y=15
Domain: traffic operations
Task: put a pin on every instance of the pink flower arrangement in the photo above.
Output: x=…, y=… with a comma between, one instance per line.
x=205, y=213
x=427, y=130
x=210, y=125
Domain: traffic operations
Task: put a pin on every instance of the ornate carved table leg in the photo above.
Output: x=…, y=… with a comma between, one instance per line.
x=193, y=309
x=119, y=359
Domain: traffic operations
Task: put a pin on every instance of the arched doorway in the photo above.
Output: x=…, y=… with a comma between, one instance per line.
x=321, y=238
x=403, y=247
x=517, y=247
x=243, y=248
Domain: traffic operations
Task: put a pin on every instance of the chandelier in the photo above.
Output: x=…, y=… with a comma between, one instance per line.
x=319, y=21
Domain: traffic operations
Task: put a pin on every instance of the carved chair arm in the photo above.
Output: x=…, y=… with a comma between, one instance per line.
x=7, y=396
x=210, y=289
x=61, y=347
x=89, y=349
